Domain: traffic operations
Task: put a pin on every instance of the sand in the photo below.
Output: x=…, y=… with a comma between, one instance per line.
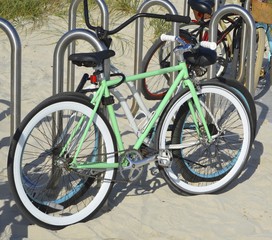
x=147, y=209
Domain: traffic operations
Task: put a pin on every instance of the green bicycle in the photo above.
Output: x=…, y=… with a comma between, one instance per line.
x=65, y=155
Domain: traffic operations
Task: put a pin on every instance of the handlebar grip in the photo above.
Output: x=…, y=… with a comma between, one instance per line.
x=177, y=18
x=210, y=45
x=170, y=38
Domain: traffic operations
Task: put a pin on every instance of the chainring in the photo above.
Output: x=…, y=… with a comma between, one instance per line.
x=130, y=172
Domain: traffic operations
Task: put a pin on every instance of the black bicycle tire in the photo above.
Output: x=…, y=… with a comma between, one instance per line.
x=184, y=91
x=158, y=44
x=151, y=51
x=73, y=96
x=249, y=100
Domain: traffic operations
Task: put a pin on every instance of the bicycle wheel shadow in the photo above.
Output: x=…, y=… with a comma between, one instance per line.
x=121, y=190
x=262, y=107
x=263, y=84
x=4, y=115
x=147, y=184
x=12, y=224
x=250, y=167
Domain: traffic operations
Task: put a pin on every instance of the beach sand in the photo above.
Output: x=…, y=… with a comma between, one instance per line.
x=146, y=209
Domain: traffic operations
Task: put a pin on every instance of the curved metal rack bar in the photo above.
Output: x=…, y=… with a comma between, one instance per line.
x=16, y=72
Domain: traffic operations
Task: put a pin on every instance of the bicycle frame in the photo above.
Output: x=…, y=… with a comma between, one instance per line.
x=224, y=34
x=104, y=91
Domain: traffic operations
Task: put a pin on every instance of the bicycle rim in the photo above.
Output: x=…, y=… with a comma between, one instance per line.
x=47, y=190
x=204, y=167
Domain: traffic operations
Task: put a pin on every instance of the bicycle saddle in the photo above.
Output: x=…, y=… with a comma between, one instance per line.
x=201, y=57
x=202, y=6
x=90, y=59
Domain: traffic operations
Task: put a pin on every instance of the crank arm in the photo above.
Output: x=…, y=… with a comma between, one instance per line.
x=141, y=163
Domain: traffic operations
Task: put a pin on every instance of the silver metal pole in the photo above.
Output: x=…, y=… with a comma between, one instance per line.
x=72, y=25
x=244, y=48
x=72, y=47
x=105, y=23
x=216, y=5
x=104, y=13
x=138, y=57
x=103, y=9
x=249, y=21
x=16, y=72
x=58, y=64
x=140, y=28
x=186, y=8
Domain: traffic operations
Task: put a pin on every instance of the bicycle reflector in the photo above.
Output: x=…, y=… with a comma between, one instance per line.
x=93, y=79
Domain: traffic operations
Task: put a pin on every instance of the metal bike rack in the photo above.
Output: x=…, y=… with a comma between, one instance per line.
x=15, y=83
x=81, y=34
x=72, y=25
x=72, y=47
x=73, y=13
x=243, y=50
x=186, y=8
x=138, y=57
x=244, y=47
x=68, y=40
x=58, y=64
x=250, y=24
x=140, y=28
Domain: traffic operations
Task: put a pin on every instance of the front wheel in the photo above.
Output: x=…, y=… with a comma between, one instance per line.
x=199, y=166
x=46, y=188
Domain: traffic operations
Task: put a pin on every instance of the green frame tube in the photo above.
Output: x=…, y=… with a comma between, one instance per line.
x=105, y=92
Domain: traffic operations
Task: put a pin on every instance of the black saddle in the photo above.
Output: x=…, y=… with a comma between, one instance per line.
x=90, y=59
x=202, y=6
x=202, y=57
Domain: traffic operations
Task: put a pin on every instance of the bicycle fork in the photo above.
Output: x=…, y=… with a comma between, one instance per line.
x=196, y=102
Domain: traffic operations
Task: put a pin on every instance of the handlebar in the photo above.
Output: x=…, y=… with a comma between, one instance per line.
x=171, y=38
x=207, y=44
x=103, y=34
